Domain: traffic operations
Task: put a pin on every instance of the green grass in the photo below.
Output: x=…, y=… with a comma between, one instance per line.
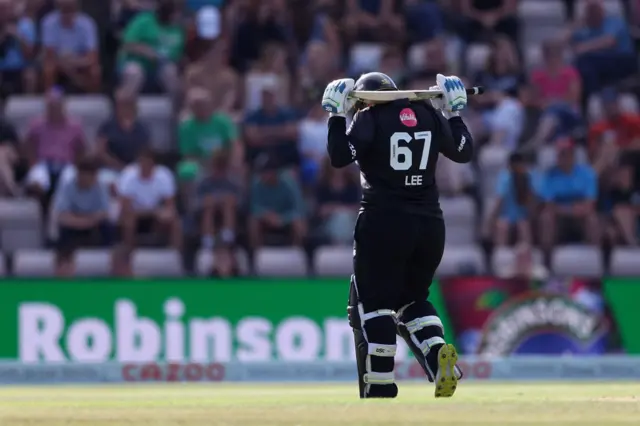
x=490, y=404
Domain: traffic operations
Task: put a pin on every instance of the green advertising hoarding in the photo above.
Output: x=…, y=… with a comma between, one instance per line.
x=175, y=320
x=623, y=296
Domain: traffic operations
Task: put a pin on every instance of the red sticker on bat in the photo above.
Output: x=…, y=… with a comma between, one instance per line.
x=408, y=117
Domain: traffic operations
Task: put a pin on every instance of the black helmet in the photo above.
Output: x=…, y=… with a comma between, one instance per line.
x=375, y=81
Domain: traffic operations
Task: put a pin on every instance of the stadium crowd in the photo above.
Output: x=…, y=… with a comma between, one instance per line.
x=240, y=161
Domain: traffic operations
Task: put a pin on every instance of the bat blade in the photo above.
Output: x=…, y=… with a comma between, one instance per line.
x=388, y=96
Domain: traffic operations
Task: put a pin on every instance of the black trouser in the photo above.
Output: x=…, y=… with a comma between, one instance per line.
x=396, y=256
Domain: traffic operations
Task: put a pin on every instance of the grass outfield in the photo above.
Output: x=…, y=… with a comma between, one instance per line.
x=555, y=404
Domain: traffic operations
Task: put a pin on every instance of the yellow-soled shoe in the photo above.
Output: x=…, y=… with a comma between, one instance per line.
x=446, y=377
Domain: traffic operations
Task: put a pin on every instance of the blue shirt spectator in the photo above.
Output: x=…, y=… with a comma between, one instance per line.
x=567, y=185
x=613, y=26
x=77, y=39
x=276, y=192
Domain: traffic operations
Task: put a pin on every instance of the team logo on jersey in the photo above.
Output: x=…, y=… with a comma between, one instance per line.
x=408, y=117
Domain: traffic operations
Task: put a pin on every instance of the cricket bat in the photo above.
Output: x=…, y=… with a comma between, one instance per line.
x=412, y=95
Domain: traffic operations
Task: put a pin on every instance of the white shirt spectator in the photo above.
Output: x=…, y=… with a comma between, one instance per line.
x=146, y=194
x=313, y=138
x=508, y=117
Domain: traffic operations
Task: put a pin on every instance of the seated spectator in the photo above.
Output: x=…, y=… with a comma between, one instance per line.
x=517, y=192
x=371, y=20
x=276, y=205
x=70, y=41
x=502, y=72
x=569, y=191
x=27, y=30
x=484, y=19
x=219, y=200
x=312, y=139
x=153, y=45
x=202, y=33
x=225, y=88
x=9, y=151
x=205, y=131
x=623, y=223
x=272, y=130
x=15, y=51
x=270, y=70
x=123, y=136
x=559, y=88
x=424, y=21
x=601, y=41
x=314, y=73
x=147, y=194
x=392, y=64
x=52, y=143
x=81, y=206
x=338, y=197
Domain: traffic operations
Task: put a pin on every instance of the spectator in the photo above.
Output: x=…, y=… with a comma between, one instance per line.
x=314, y=74
x=219, y=209
x=312, y=133
x=153, y=45
x=14, y=53
x=81, y=206
x=272, y=130
x=258, y=24
x=52, y=143
x=205, y=131
x=424, y=21
x=373, y=20
x=70, y=42
x=502, y=72
x=485, y=19
x=202, y=34
x=147, y=193
x=9, y=149
x=276, y=205
x=392, y=64
x=517, y=192
x=602, y=40
x=123, y=136
x=622, y=224
x=338, y=198
x=559, y=88
x=28, y=34
x=270, y=70
x=569, y=191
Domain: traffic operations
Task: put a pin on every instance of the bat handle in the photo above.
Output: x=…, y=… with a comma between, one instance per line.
x=475, y=90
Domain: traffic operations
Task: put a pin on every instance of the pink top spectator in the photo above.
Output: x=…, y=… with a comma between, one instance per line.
x=56, y=143
x=554, y=87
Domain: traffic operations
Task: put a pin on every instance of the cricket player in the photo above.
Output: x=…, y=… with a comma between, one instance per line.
x=400, y=232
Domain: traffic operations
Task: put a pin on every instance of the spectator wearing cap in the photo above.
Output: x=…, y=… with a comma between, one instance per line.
x=70, y=41
x=276, y=205
x=600, y=42
x=517, y=192
x=153, y=45
x=272, y=130
x=81, y=206
x=52, y=143
x=569, y=191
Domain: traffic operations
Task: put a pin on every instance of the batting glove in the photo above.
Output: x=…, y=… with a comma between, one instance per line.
x=454, y=95
x=335, y=99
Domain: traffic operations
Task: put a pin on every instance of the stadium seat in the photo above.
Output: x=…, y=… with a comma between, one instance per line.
x=613, y=7
x=624, y=262
x=3, y=269
x=504, y=257
x=533, y=56
x=93, y=263
x=628, y=103
x=34, y=263
x=541, y=10
x=13, y=239
x=157, y=113
x=492, y=160
x=465, y=260
x=281, y=262
x=19, y=210
x=205, y=259
x=578, y=261
x=334, y=261
x=476, y=57
x=157, y=263
x=595, y=110
x=20, y=110
x=460, y=217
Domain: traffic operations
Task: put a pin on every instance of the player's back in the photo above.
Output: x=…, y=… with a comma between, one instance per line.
x=398, y=168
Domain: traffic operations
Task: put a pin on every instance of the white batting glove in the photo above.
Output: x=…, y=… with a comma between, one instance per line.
x=454, y=97
x=335, y=99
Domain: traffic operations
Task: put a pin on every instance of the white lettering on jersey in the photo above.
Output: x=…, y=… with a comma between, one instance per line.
x=463, y=141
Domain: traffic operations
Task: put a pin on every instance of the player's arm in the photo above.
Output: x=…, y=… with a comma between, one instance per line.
x=345, y=145
x=456, y=143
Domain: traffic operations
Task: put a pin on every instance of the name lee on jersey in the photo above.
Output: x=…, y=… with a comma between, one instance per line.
x=413, y=180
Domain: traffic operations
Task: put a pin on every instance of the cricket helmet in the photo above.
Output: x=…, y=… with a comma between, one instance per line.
x=375, y=81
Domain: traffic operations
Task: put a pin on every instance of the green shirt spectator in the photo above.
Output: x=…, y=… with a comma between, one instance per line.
x=166, y=39
x=200, y=138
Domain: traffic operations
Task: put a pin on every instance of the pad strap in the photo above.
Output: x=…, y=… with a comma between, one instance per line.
x=373, y=378
x=419, y=323
x=377, y=349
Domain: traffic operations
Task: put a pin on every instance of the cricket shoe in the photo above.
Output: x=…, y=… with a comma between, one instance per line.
x=448, y=373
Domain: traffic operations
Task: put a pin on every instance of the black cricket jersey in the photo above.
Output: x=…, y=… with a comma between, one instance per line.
x=396, y=145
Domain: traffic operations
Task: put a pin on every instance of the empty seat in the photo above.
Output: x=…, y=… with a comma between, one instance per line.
x=205, y=260
x=577, y=260
x=3, y=270
x=463, y=260
x=624, y=262
x=24, y=210
x=460, y=217
x=476, y=56
x=334, y=261
x=92, y=110
x=93, y=262
x=505, y=257
x=34, y=263
x=27, y=237
x=157, y=263
x=20, y=110
x=281, y=262
x=157, y=113
x=541, y=10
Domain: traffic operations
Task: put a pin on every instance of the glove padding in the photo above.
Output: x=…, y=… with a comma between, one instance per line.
x=335, y=99
x=454, y=95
